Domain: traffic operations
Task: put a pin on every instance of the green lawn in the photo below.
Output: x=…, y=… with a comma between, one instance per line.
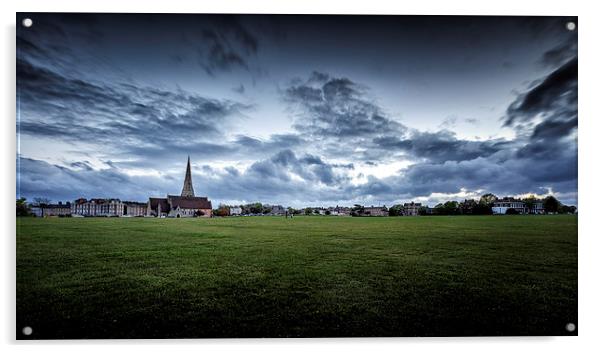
x=301, y=277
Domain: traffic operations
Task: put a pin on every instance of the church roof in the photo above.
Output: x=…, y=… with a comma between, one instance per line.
x=189, y=202
x=156, y=201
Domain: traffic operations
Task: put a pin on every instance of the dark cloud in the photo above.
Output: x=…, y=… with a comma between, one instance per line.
x=310, y=168
x=338, y=108
x=81, y=165
x=555, y=97
x=73, y=110
x=339, y=129
x=441, y=146
x=337, y=113
x=443, y=163
x=219, y=57
x=560, y=54
x=140, y=126
x=226, y=45
x=547, y=118
x=553, y=129
x=36, y=178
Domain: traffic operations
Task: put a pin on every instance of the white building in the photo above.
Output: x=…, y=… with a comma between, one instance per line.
x=339, y=211
x=502, y=206
x=235, y=211
x=97, y=207
x=537, y=208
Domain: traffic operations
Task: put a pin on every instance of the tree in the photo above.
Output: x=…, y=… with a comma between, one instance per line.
x=551, y=204
x=511, y=211
x=481, y=209
x=451, y=207
x=488, y=199
x=22, y=208
x=530, y=202
x=564, y=209
x=223, y=211
x=467, y=206
x=255, y=208
x=39, y=201
x=308, y=211
x=447, y=208
x=327, y=212
x=396, y=210
x=357, y=210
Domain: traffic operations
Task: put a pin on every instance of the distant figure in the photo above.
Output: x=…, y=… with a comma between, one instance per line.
x=286, y=214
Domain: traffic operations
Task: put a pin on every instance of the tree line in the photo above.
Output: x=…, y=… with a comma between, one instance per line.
x=484, y=206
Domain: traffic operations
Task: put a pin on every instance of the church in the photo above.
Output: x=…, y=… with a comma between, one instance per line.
x=185, y=205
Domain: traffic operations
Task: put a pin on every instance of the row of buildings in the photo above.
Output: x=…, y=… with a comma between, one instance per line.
x=185, y=205
x=519, y=206
x=506, y=205
x=189, y=205
x=108, y=208
x=409, y=209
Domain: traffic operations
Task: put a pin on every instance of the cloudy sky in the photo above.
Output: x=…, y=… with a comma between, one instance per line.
x=296, y=110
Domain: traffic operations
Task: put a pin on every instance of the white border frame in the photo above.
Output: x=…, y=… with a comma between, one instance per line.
x=589, y=172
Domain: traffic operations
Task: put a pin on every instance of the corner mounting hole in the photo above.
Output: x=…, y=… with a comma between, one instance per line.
x=570, y=327
x=27, y=330
x=571, y=26
x=27, y=22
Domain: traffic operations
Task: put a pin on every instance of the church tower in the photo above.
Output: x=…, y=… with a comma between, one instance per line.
x=187, y=190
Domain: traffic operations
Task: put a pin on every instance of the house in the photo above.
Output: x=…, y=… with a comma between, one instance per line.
x=537, y=207
x=52, y=210
x=339, y=211
x=235, y=211
x=97, y=207
x=343, y=211
x=276, y=210
x=502, y=206
x=134, y=209
x=411, y=209
x=379, y=211
x=37, y=211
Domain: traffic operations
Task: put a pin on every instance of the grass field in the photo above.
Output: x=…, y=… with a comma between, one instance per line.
x=305, y=277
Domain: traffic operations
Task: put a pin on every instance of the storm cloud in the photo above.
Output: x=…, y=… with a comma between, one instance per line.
x=338, y=108
x=296, y=110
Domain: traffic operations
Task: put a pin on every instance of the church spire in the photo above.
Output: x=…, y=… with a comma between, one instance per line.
x=187, y=190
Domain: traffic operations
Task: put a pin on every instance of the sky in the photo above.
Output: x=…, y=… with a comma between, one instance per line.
x=298, y=110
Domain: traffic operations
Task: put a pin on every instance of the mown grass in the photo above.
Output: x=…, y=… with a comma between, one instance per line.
x=301, y=277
